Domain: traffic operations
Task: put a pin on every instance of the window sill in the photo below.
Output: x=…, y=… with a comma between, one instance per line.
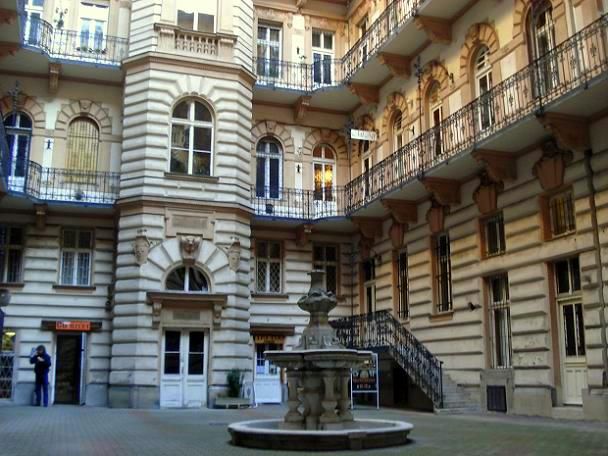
x=192, y=178
x=58, y=286
x=554, y=237
x=270, y=295
x=443, y=316
x=13, y=285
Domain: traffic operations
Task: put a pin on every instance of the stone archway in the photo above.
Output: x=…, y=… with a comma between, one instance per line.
x=395, y=102
x=85, y=108
x=29, y=105
x=520, y=15
x=434, y=71
x=325, y=136
x=276, y=130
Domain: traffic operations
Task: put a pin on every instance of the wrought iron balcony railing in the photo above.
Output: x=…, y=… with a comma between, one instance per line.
x=382, y=331
x=95, y=48
x=4, y=158
x=571, y=65
x=298, y=204
x=64, y=185
x=308, y=77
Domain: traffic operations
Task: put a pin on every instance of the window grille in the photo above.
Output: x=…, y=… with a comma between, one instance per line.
x=268, y=265
x=403, y=309
x=500, y=320
x=11, y=254
x=561, y=214
x=443, y=273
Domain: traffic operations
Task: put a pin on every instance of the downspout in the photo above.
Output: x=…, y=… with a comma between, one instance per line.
x=598, y=261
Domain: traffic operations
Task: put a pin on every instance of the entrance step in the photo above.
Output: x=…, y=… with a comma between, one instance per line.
x=571, y=412
x=456, y=400
x=231, y=403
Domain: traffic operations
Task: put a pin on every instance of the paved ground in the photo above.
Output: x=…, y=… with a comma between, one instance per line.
x=65, y=431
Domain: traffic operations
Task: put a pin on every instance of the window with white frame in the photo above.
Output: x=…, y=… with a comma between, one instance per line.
x=262, y=365
x=322, y=57
x=269, y=51
x=268, y=266
x=187, y=278
x=570, y=307
x=33, y=26
x=483, y=85
x=269, y=168
x=500, y=321
x=18, y=135
x=195, y=16
x=324, y=170
x=93, y=26
x=541, y=41
x=325, y=258
x=192, y=139
x=11, y=254
x=76, y=257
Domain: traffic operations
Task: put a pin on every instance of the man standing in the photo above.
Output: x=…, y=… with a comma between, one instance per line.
x=41, y=361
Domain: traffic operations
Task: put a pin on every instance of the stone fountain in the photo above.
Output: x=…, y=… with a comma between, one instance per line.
x=318, y=374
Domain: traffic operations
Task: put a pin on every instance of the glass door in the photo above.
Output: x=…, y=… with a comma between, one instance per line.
x=267, y=376
x=322, y=57
x=93, y=28
x=269, y=51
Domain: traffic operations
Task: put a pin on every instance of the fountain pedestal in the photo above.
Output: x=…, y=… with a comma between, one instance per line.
x=318, y=373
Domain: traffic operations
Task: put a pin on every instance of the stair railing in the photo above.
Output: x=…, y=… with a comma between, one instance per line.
x=382, y=331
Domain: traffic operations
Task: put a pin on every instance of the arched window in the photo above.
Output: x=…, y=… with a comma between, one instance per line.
x=187, y=278
x=435, y=110
x=269, y=164
x=399, y=135
x=83, y=144
x=324, y=172
x=541, y=41
x=483, y=85
x=191, y=139
x=18, y=134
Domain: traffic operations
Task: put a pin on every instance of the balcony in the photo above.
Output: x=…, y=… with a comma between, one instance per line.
x=211, y=46
x=503, y=119
x=298, y=204
x=68, y=46
x=63, y=185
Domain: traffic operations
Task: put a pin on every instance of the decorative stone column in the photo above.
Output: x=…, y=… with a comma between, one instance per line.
x=344, y=399
x=329, y=418
x=293, y=418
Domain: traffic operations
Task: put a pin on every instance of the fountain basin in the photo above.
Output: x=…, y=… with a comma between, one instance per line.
x=364, y=435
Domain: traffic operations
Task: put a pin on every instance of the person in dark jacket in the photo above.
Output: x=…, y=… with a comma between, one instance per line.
x=41, y=361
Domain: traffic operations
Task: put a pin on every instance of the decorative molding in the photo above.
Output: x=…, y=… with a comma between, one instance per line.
x=40, y=213
x=570, y=132
x=434, y=71
x=551, y=166
x=365, y=247
x=7, y=49
x=520, y=14
x=486, y=194
x=445, y=191
x=435, y=217
x=275, y=130
x=54, y=73
x=437, y=30
x=234, y=255
x=7, y=16
x=398, y=65
x=370, y=227
x=396, y=234
x=303, y=233
x=86, y=108
x=403, y=211
x=189, y=247
x=141, y=247
x=367, y=93
x=29, y=105
x=159, y=300
x=326, y=136
x=301, y=107
x=394, y=102
x=478, y=34
x=500, y=166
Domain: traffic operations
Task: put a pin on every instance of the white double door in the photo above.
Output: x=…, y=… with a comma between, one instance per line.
x=184, y=368
x=574, y=361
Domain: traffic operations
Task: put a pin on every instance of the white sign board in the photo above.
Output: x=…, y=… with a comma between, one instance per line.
x=364, y=135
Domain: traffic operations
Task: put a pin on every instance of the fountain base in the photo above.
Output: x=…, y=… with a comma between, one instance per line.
x=364, y=435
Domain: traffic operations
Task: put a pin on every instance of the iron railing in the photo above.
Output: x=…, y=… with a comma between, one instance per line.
x=66, y=185
x=308, y=77
x=99, y=49
x=572, y=64
x=298, y=204
x=382, y=331
x=4, y=157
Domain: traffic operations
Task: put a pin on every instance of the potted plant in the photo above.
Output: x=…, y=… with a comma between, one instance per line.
x=235, y=382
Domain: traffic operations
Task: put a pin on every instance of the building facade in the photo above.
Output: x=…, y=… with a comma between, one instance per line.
x=173, y=169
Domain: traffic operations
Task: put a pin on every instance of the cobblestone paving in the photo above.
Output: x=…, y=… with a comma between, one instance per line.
x=65, y=431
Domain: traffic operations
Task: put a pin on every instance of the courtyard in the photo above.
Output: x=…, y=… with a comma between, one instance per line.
x=72, y=430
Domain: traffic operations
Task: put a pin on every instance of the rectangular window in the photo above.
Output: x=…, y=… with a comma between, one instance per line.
x=403, y=292
x=269, y=51
x=567, y=277
x=262, y=365
x=369, y=285
x=568, y=291
x=443, y=273
x=268, y=266
x=494, y=235
x=325, y=258
x=190, y=17
x=11, y=254
x=561, y=214
x=322, y=57
x=500, y=321
x=76, y=257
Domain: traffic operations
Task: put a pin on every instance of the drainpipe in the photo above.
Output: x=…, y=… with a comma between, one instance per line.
x=598, y=261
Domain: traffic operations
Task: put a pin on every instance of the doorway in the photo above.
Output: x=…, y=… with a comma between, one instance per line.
x=184, y=368
x=68, y=368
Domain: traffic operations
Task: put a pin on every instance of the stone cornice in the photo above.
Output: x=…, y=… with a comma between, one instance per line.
x=138, y=203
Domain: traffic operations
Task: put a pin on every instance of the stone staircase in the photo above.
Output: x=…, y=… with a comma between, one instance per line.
x=456, y=400
x=381, y=331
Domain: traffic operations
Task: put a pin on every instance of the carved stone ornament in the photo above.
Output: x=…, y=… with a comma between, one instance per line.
x=141, y=247
x=365, y=247
x=234, y=255
x=486, y=195
x=551, y=167
x=189, y=247
x=396, y=233
x=435, y=217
